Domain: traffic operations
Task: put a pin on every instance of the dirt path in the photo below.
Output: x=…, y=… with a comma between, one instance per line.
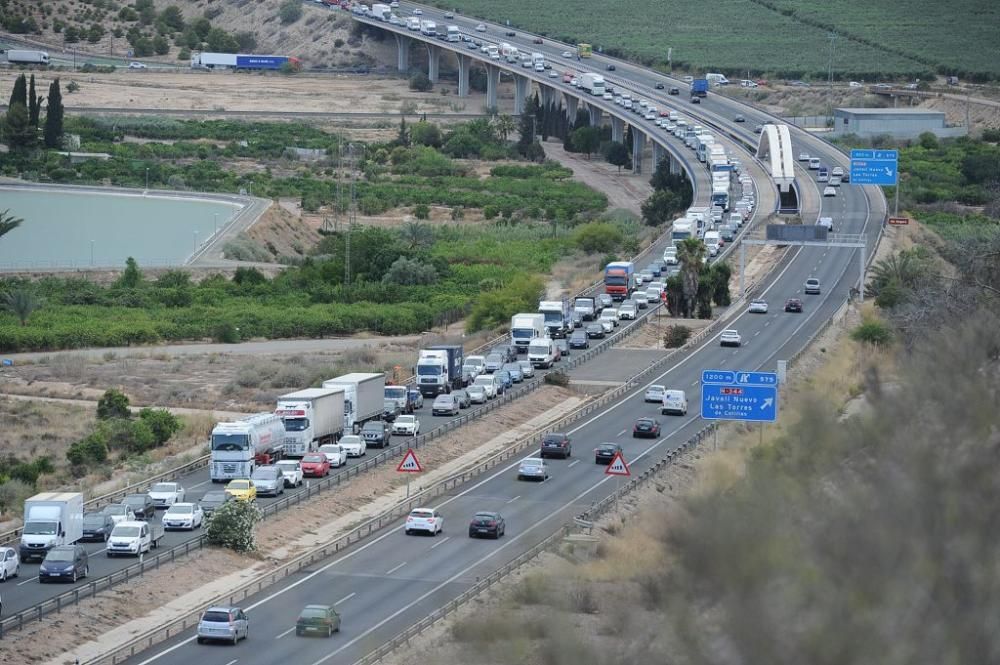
x=623, y=190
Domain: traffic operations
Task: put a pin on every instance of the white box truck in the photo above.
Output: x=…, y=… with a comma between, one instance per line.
x=50, y=519
x=27, y=57
x=239, y=447
x=524, y=328
x=428, y=28
x=412, y=23
x=312, y=417
x=381, y=12
x=592, y=83
x=453, y=34
x=364, y=395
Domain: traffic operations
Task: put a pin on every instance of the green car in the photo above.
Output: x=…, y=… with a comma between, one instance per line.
x=322, y=619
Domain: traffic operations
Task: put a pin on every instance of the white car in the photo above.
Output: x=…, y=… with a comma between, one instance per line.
x=427, y=520
x=652, y=295
x=10, y=563
x=534, y=468
x=136, y=65
x=488, y=384
x=481, y=27
x=674, y=402
x=291, y=470
x=607, y=325
x=165, y=495
x=655, y=394
x=477, y=394
x=183, y=516
x=730, y=337
x=854, y=84
x=610, y=314
x=354, y=446
x=650, y=115
x=449, y=15
x=627, y=312
x=608, y=97
x=418, y=11
x=575, y=82
x=553, y=74
x=335, y=455
x=670, y=256
x=406, y=426
x=804, y=157
x=567, y=54
x=758, y=307
x=837, y=172
x=826, y=222
x=527, y=369
x=829, y=191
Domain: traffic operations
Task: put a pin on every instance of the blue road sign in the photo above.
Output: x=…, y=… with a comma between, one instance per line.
x=736, y=395
x=874, y=167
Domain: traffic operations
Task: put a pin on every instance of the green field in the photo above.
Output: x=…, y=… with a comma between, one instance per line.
x=781, y=38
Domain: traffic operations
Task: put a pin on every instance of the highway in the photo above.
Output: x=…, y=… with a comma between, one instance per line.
x=393, y=580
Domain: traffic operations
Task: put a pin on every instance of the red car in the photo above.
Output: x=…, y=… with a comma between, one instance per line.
x=315, y=465
x=793, y=305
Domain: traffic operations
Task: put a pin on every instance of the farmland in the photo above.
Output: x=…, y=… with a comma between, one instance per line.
x=922, y=36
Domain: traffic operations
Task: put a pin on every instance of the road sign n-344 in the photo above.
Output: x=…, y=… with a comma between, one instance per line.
x=736, y=395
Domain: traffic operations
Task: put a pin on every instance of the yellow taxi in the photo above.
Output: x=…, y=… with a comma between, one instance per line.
x=242, y=489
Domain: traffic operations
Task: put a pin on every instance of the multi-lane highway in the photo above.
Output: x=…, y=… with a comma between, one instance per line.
x=393, y=580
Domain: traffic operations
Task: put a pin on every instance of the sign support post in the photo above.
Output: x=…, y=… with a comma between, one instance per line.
x=618, y=467
x=408, y=465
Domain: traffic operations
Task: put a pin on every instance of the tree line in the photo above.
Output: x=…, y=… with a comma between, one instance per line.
x=20, y=124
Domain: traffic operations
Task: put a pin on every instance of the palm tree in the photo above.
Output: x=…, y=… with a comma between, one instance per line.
x=8, y=222
x=905, y=269
x=690, y=254
x=503, y=125
x=21, y=303
x=416, y=235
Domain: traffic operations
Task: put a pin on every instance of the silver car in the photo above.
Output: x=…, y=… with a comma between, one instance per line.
x=477, y=394
x=533, y=468
x=229, y=624
x=269, y=480
x=527, y=369
x=445, y=405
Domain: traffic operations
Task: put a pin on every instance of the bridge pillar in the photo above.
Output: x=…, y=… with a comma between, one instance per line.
x=638, y=147
x=433, y=62
x=572, y=105
x=492, y=83
x=403, y=55
x=617, y=129
x=548, y=95
x=464, y=62
x=596, y=115
x=659, y=154
x=522, y=86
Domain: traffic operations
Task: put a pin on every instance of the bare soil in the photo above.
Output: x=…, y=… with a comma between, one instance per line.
x=283, y=233
x=650, y=334
x=279, y=538
x=624, y=190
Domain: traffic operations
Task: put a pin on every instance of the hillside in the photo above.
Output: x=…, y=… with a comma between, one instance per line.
x=783, y=38
x=168, y=30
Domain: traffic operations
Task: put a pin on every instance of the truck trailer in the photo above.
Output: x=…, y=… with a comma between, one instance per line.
x=592, y=83
x=240, y=447
x=454, y=35
x=312, y=417
x=439, y=369
x=363, y=397
x=558, y=317
x=241, y=61
x=618, y=279
x=27, y=57
x=699, y=88
x=382, y=12
x=50, y=519
x=524, y=328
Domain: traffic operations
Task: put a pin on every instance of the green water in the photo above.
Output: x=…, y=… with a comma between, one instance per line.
x=79, y=229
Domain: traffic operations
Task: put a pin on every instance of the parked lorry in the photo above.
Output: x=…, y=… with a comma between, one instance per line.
x=428, y=28
x=241, y=61
x=699, y=88
x=50, y=519
x=381, y=11
x=402, y=397
x=312, y=417
x=586, y=307
x=524, y=328
x=592, y=83
x=558, y=317
x=439, y=369
x=27, y=57
x=364, y=395
x=239, y=447
x=618, y=279
x=454, y=35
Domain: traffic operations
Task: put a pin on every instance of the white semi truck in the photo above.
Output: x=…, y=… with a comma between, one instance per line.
x=27, y=57
x=312, y=417
x=524, y=328
x=592, y=83
x=50, y=519
x=239, y=447
x=453, y=34
x=381, y=12
x=428, y=28
x=364, y=395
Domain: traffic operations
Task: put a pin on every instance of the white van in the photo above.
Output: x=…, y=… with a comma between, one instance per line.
x=814, y=163
x=674, y=402
x=713, y=242
x=542, y=352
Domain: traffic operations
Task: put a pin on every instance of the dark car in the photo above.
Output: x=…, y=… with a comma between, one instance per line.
x=604, y=453
x=696, y=100
x=375, y=433
x=646, y=427
x=793, y=305
x=674, y=91
x=515, y=371
x=659, y=86
x=64, y=562
x=142, y=505
x=212, y=500
x=739, y=118
x=508, y=351
x=563, y=345
x=595, y=331
x=538, y=40
x=577, y=320
x=556, y=444
x=505, y=377
x=487, y=524
x=611, y=68
x=390, y=409
x=319, y=619
x=97, y=527
x=654, y=268
x=579, y=340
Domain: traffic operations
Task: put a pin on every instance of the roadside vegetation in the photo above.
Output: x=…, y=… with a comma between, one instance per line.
x=915, y=38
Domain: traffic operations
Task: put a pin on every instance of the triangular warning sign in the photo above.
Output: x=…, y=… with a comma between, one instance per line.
x=618, y=467
x=409, y=463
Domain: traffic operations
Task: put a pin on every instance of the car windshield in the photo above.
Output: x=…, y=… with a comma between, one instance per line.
x=484, y=517
x=314, y=458
x=180, y=510
x=405, y=420
x=215, y=617
x=126, y=532
x=164, y=487
x=239, y=484
x=483, y=381
x=296, y=424
x=213, y=496
x=139, y=500
x=372, y=427
x=93, y=520
x=288, y=465
x=310, y=613
x=494, y=358
x=58, y=554
x=607, y=447
x=117, y=509
x=422, y=514
x=395, y=393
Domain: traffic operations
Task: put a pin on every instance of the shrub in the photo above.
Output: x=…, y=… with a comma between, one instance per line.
x=420, y=83
x=88, y=451
x=113, y=404
x=873, y=332
x=161, y=423
x=676, y=336
x=557, y=378
x=422, y=211
x=12, y=495
x=290, y=11
x=226, y=333
x=597, y=237
x=409, y=272
x=233, y=525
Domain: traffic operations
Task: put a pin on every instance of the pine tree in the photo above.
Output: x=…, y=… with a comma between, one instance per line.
x=54, y=117
x=19, y=95
x=17, y=129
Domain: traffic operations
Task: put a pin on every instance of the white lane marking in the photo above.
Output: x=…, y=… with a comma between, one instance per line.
x=280, y=635
x=27, y=581
x=622, y=432
x=191, y=487
x=346, y=598
x=573, y=463
x=514, y=499
x=395, y=568
x=441, y=542
x=233, y=661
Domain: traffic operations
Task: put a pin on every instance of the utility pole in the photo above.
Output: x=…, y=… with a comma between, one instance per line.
x=351, y=215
